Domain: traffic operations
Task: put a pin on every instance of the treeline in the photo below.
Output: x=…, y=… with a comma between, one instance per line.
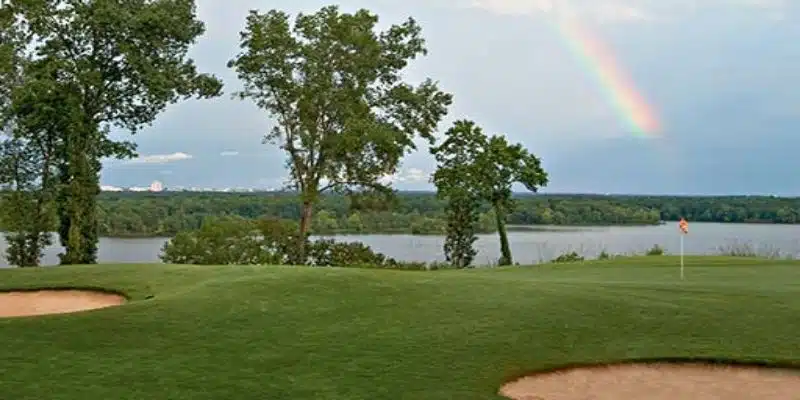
x=165, y=214
x=735, y=209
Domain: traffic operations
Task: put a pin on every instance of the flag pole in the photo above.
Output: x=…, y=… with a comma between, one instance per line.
x=682, y=235
x=683, y=228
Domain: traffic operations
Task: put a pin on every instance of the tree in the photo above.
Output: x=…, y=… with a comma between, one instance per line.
x=487, y=167
x=112, y=64
x=232, y=241
x=26, y=161
x=25, y=176
x=499, y=166
x=455, y=157
x=462, y=218
x=344, y=116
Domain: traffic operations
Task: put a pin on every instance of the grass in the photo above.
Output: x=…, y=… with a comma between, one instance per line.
x=304, y=333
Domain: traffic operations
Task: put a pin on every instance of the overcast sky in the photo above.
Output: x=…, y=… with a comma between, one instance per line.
x=720, y=75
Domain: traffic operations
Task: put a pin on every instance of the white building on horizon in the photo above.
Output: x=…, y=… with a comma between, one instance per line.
x=156, y=186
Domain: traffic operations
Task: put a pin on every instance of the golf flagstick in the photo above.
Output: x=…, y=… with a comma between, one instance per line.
x=681, y=256
x=683, y=226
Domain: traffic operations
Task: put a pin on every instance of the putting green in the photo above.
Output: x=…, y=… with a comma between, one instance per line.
x=233, y=332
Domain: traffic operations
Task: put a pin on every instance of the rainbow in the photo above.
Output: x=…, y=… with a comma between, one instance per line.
x=600, y=63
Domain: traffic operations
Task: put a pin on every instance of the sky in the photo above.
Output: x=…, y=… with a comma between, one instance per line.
x=719, y=77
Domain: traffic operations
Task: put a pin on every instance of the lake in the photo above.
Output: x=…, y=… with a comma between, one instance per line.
x=528, y=246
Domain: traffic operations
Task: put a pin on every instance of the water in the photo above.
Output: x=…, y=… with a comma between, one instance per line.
x=528, y=246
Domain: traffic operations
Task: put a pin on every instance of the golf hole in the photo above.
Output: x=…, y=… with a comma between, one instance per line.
x=658, y=381
x=44, y=302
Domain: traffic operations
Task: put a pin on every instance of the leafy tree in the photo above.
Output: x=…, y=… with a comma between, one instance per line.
x=25, y=172
x=345, y=118
x=113, y=64
x=455, y=158
x=236, y=241
x=486, y=168
x=498, y=166
x=462, y=218
x=232, y=241
x=26, y=160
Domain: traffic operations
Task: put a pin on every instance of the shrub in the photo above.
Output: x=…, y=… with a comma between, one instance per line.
x=278, y=239
x=568, y=258
x=232, y=240
x=329, y=253
x=603, y=255
x=746, y=249
x=656, y=250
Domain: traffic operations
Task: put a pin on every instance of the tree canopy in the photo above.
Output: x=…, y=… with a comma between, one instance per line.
x=334, y=84
x=85, y=67
x=475, y=166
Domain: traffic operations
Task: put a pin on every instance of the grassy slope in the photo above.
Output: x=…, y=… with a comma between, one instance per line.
x=301, y=333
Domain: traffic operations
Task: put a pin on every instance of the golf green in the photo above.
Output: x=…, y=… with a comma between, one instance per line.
x=257, y=332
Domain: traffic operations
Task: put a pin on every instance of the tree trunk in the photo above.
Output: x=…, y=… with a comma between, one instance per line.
x=79, y=175
x=305, y=225
x=505, y=249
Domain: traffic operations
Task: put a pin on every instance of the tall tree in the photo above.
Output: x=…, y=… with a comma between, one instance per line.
x=345, y=118
x=114, y=64
x=455, y=157
x=487, y=168
x=26, y=212
x=499, y=165
x=26, y=160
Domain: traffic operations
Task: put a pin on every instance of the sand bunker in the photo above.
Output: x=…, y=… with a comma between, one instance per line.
x=42, y=302
x=658, y=382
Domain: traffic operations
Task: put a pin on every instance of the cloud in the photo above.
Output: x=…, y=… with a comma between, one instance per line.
x=229, y=153
x=624, y=10
x=410, y=175
x=407, y=176
x=160, y=158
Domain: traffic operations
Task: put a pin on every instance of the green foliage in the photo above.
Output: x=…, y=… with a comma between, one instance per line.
x=656, y=250
x=335, y=86
x=603, y=255
x=453, y=180
x=486, y=168
x=568, y=257
x=164, y=214
x=236, y=241
x=746, y=249
x=462, y=219
x=217, y=242
x=232, y=240
x=329, y=253
x=26, y=213
x=90, y=66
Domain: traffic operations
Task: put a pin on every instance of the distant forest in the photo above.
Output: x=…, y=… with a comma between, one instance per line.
x=125, y=214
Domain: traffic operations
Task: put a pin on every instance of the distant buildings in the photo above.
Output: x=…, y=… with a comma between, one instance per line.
x=157, y=187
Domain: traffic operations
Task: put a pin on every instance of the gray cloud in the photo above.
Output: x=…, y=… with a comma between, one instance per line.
x=160, y=158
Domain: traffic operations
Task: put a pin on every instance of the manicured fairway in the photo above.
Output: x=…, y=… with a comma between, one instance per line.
x=247, y=332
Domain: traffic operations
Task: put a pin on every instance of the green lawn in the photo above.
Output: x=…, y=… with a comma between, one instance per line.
x=303, y=333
